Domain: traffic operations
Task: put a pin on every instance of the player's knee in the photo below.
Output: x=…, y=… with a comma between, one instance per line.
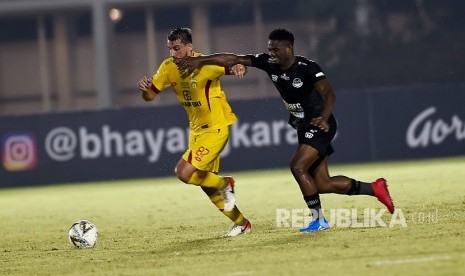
x=183, y=179
x=183, y=175
x=297, y=168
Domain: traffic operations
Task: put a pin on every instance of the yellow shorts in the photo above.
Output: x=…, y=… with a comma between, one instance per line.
x=205, y=149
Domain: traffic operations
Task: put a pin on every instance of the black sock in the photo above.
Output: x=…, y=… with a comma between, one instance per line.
x=314, y=204
x=360, y=188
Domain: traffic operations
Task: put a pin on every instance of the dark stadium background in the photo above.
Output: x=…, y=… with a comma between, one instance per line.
x=68, y=64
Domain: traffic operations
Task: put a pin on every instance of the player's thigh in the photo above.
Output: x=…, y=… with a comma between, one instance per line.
x=303, y=157
x=205, y=149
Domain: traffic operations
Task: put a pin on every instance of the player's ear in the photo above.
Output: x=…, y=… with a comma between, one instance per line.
x=290, y=47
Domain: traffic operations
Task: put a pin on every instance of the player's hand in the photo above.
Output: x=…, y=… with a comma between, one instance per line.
x=321, y=123
x=147, y=92
x=187, y=65
x=239, y=70
x=144, y=84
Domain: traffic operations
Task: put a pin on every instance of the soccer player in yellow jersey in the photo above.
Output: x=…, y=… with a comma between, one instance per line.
x=209, y=115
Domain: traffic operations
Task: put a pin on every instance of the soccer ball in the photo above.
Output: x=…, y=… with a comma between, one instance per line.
x=83, y=234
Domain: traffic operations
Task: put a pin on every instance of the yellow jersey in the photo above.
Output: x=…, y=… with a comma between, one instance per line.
x=200, y=94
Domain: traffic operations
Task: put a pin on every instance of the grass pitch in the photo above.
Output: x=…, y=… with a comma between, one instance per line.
x=163, y=227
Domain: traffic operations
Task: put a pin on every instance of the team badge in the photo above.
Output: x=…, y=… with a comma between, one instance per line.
x=297, y=83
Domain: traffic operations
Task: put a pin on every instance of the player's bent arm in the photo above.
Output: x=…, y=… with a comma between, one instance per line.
x=148, y=95
x=324, y=88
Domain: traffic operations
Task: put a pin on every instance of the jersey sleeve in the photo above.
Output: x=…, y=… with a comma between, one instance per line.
x=160, y=79
x=315, y=72
x=260, y=61
x=214, y=71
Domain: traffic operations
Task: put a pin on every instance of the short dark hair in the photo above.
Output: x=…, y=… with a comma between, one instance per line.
x=183, y=34
x=281, y=34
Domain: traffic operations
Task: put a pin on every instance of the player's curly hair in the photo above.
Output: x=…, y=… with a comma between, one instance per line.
x=183, y=34
x=282, y=35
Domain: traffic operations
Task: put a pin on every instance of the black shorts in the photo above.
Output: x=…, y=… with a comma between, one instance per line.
x=317, y=138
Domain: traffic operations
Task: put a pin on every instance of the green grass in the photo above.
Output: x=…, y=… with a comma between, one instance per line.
x=163, y=227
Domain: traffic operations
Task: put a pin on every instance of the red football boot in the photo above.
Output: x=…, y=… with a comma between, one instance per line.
x=380, y=189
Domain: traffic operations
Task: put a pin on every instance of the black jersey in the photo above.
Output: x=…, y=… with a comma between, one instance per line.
x=296, y=86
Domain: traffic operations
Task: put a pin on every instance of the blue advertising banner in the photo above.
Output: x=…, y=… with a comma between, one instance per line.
x=131, y=143
x=379, y=124
x=423, y=121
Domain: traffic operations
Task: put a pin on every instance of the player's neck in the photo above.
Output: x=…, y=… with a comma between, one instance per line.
x=288, y=64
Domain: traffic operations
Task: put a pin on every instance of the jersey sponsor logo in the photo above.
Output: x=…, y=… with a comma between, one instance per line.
x=274, y=78
x=297, y=83
x=285, y=77
x=192, y=104
x=184, y=85
x=187, y=95
x=319, y=74
x=194, y=83
x=295, y=109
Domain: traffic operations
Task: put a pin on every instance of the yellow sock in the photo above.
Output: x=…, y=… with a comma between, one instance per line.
x=210, y=180
x=234, y=215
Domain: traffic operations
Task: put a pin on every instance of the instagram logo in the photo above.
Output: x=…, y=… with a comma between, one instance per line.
x=19, y=152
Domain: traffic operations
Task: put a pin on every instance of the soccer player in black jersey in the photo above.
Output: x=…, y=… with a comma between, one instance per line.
x=309, y=98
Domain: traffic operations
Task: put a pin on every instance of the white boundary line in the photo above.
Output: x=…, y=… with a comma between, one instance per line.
x=236, y=273
x=425, y=259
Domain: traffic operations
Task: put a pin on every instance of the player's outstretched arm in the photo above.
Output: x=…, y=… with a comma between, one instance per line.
x=147, y=92
x=187, y=65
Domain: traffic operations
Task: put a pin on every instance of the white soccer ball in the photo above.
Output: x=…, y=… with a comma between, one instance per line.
x=83, y=234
